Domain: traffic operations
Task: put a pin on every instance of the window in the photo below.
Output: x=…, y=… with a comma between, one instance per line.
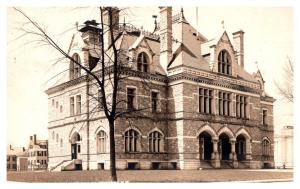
x=224, y=62
x=155, y=142
x=142, y=62
x=265, y=147
x=72, y=106
x=52, y=102
x=78, y=104
x=101, y=142
x=241, y=106
x=57, y=137
x=131, y=140
x=53, y=135
x=154, y=101
x=205, y=100
x=74, y=68
x=78, y=148
x=130, y=98
x=264, y=117
x=8, y=158
x=61, y=142
x=60, y=108
x=224, y=103
x=56, y=105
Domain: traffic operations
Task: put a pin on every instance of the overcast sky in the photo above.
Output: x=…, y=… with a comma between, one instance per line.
x=268, y=41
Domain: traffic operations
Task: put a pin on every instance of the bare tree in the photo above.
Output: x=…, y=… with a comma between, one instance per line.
x=114, y=63
x=286, y=87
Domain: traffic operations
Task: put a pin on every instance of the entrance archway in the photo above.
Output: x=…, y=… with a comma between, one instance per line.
x=75, y=145
x=240, y=147
x=206, y=146
x=224, y=146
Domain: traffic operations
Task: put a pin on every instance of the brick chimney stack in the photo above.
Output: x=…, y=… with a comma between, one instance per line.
x=34, y=139
x=106, y=21
x=238, y=38
x=165, y=35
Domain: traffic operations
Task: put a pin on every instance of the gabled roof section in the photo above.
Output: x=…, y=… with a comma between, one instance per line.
x=185, y=57
x=76, y=43
x=222, y=36
x=141, y=39
x=258, y=75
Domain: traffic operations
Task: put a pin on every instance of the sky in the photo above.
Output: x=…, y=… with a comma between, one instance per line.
x=269, y=41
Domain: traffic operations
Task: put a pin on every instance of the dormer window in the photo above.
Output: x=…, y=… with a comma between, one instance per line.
x=74, y=68
x=224, y=63
x=143, y=62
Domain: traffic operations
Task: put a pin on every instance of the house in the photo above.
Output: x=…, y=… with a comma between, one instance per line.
x=38, y=154
x=202, y=109
x=16, y=159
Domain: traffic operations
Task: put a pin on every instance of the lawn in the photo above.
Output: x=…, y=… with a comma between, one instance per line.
x=221, y=175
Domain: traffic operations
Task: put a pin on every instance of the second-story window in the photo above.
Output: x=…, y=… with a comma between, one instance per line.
x=74, y=68
x=130, y=98
x=224, y=62
x=78, y=104
x=205, y=100
x=72, y=106
x=143, y=62
x=264, y=117
x=224, y=103
x=241, y=106
x=154, y=101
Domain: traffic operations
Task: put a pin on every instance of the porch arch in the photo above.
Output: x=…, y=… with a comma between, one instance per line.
x=228, y=132
x=209, y=130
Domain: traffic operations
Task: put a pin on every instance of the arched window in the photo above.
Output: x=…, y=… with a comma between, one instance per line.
x=224, y=62
x=131, y=140
x=155, y=142
x=61, y=142
x=143, y=62
x=265, y=147
x=101, y=142
x=74, y=68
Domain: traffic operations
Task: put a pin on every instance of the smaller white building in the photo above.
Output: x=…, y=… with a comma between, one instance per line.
x=283, y=147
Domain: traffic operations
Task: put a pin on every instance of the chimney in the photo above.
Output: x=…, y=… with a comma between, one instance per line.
x=34, y=139
x=106, y=21
x=238, y=38
x=165, y=34
x=90, y=32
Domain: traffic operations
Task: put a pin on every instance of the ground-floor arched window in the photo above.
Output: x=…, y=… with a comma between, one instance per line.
x=101, y=141
x=155, y=142
x=266, y=147
x=131, y=140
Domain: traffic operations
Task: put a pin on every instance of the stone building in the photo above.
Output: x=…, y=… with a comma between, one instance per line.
x=205, y=110
x=284, y=147
x=16, y=159
x=38, y=154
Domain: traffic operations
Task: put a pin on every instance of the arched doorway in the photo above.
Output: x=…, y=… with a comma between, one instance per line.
x=206, y=146
x=75, y=145
x=240, y=147
x=224, y=146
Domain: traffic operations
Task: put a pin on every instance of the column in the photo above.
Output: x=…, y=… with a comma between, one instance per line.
x=233, y=154
x=215, y=154
x=248, y=150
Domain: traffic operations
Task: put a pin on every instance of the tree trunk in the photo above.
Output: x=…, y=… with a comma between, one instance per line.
x=113, y=172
